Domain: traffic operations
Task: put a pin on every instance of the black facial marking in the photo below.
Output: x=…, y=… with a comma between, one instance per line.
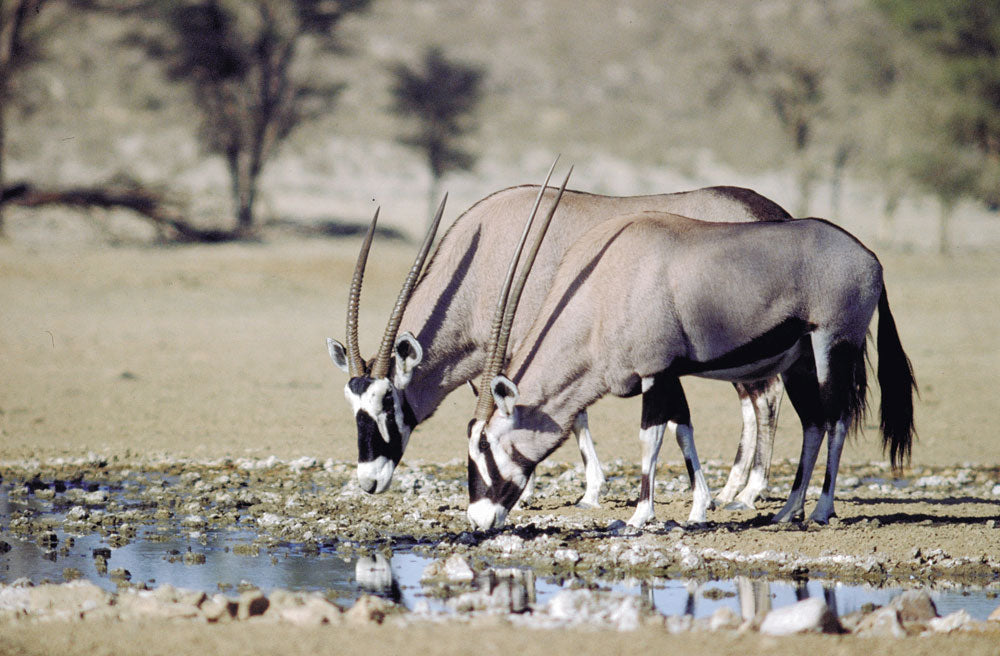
x=477, y=486
x=370, y=443
x=503, y=492
x=360, y=384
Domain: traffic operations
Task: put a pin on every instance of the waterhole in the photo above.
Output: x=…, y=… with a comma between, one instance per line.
x=229, y=557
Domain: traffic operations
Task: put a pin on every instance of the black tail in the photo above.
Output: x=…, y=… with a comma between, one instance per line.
x=895, y=376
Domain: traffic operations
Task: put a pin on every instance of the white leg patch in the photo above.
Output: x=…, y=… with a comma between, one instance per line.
x=595, y=476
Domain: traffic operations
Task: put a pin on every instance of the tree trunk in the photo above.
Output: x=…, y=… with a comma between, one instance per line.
x=3, y=125
x=886, y=233
x=432, y=200
x=944, y=224
x=243, y=182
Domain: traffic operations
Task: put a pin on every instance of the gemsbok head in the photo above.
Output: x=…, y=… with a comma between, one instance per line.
x=375, y=387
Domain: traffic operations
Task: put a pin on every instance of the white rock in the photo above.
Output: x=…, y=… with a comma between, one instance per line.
x=268, y=520
x=571, y=556
x=950, y=623
x=457, y=569
x=584, y=607
x=724, y=619
x=807, y=616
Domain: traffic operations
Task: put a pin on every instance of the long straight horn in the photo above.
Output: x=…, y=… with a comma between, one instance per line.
x=495, y=353
x=500, y=352
x=381, y=367
x=356, y=366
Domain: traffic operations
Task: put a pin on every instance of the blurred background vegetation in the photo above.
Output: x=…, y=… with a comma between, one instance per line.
x=209, y=120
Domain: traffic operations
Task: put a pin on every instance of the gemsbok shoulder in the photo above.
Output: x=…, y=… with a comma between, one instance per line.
x=436, y=337
x=643, y=299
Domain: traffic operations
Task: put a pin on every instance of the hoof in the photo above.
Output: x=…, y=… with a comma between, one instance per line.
x=737, y=505
x=589, y=505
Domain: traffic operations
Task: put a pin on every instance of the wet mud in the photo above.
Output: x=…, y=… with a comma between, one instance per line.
x=303, y=527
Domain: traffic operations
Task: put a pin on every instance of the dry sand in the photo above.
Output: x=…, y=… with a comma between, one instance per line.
x=206, y=352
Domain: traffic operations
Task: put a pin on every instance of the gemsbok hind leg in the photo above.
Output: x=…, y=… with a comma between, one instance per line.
x=751, y=470
x=842, y=386
x=767, y=402
x=591, y=465
x=803, y=392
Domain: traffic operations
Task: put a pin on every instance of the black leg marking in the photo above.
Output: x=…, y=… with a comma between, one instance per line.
x=690, y=468
x=664, y=401
x=645, y=491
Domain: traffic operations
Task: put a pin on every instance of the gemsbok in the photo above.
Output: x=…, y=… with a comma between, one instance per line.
x=442, y=324
x=643, y=299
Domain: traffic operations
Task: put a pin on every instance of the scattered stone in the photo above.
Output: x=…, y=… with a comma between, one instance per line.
x=96, y=498
x=458, y=570
x=954, y=622
x=995, y=615
x=724, y=619
x=596, y=610
x=303, y=609
x=246, y=549
x=369, y=610
x=194, y=558
x=219, y=608
x=914, y=606
x=567, y=556
x=67, y=601
x=120, y=574
x=807, y=616
x=883, y=623
x=251, y=604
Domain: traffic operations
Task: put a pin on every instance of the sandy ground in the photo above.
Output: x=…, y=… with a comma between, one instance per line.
x=205, y=352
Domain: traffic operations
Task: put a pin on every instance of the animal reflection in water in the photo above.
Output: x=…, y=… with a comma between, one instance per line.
x=515, y=589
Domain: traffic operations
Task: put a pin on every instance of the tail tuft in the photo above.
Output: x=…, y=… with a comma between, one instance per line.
x=895, y=376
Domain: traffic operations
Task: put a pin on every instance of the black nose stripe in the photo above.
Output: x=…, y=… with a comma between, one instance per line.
x=371, y=446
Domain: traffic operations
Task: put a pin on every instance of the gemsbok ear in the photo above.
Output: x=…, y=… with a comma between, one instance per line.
x=337, y=353
x=504, y=395
x=408, y=354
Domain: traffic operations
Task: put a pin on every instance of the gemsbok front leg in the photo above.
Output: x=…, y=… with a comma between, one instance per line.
x=665, y=406
x=592, y=466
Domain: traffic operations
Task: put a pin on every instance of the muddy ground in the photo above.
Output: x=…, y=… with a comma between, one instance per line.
x=209, y=364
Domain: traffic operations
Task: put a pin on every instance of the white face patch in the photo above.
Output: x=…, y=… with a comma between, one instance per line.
x=378, y=471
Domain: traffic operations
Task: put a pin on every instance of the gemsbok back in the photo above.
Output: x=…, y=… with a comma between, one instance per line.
x=442, y=324
x=646, y=298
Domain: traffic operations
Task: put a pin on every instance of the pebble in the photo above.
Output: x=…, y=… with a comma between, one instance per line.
x=914, y=606
x=807, y=616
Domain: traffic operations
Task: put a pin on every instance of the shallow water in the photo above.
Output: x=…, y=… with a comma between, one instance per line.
x=227, y=560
